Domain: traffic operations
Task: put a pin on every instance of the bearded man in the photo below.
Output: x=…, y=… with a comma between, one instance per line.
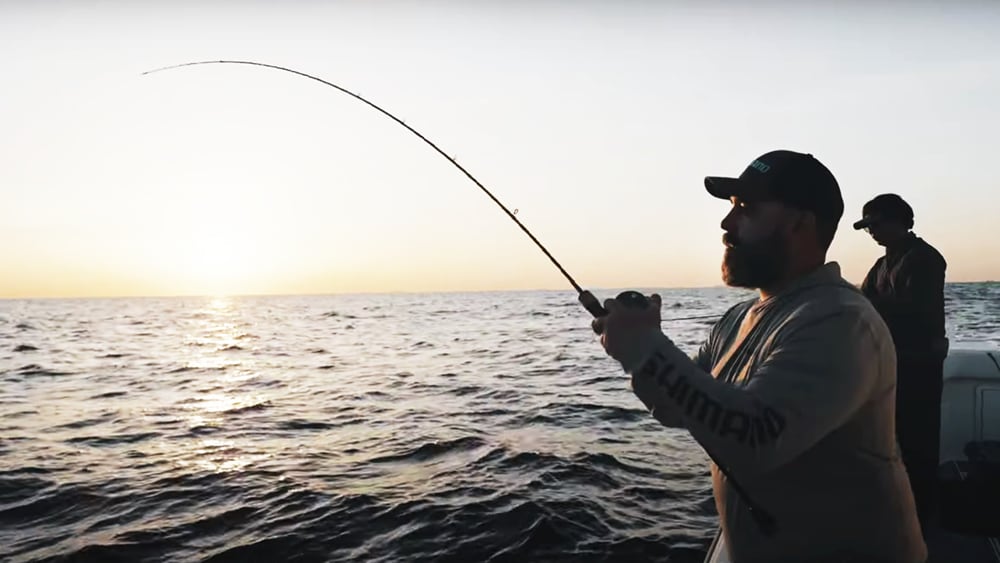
x=793, y=394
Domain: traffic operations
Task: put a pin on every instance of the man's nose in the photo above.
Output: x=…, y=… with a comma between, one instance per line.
x=729, y=221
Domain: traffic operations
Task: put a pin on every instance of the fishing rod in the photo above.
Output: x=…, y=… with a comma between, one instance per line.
x=586, y=298
x=631, y=299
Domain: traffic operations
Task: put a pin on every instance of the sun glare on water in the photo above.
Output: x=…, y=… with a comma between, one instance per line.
x=220, y=350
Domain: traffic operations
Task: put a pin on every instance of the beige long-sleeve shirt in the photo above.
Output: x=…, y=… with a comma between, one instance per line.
x=794, y=396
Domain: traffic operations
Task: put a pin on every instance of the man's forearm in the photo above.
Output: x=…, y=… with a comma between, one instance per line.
x=738, y=429
x=801, y=392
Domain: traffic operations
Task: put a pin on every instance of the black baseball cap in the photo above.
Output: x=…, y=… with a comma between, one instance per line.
x=885, y=206
x=795, y=179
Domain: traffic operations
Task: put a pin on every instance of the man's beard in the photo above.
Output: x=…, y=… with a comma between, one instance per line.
x=755, y=264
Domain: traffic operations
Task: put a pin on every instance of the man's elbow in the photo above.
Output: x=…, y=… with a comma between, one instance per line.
x=752, y=444
x=753, y=461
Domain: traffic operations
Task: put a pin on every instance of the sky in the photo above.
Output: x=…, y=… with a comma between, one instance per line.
x=597, y=121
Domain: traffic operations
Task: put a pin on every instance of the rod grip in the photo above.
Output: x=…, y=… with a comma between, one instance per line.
x=595, y=308
x=592, y=305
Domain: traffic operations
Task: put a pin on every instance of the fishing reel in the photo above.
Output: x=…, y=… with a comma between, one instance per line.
x=628, y=298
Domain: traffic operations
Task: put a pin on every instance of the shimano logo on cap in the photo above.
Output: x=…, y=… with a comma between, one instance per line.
x=760, y=166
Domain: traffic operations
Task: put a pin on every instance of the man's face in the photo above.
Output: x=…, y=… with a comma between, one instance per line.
x=756, y=240
x=884, y=230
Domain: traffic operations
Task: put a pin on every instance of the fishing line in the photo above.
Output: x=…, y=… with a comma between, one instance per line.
x=586, y=298
x=695, y=318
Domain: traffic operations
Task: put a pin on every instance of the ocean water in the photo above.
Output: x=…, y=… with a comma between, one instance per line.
x=418, y=427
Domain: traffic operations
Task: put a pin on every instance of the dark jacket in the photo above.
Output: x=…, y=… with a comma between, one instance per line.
x=906, y=286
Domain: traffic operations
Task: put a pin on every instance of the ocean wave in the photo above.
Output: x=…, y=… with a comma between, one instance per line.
x=432, y=450
x=35, y=370
x=117, y=440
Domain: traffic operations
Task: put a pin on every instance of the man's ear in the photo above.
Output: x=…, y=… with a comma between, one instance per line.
x=795, y=221
x=806, y=220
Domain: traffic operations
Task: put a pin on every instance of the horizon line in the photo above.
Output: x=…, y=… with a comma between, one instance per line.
x=394, y=292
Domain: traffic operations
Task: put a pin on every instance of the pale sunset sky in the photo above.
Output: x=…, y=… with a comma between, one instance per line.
x=596, y=120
